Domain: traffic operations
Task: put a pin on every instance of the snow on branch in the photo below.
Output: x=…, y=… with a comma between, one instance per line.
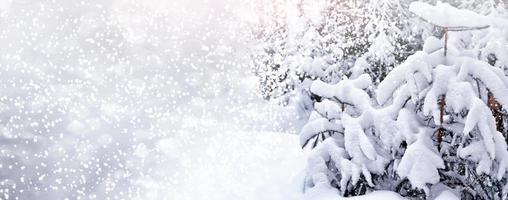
x=445, y=15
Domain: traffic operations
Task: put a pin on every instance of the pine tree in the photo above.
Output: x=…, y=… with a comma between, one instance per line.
x=352, y=141
x=445, y=118
x=389, y=36
x=305, y=47
x=329, y=40
x=268, y=56
x=433, y=125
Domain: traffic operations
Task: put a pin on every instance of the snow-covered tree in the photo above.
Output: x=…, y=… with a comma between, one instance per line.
x=268, y=58
x=433, y=125
x=447, y=115
x=390, y=36
x=329, y=40
x=445, y=118
x=353, y=142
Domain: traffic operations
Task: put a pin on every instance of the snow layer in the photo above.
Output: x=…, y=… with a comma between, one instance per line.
x=445, y=15
x=421, y=162
x=447, y=195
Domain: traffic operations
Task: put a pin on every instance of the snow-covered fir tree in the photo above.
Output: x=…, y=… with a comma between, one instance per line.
x=329, y=40
x=446, y=119
x=446, y=123
x=390, y=36
x=269, y=55
x=352, y=140
x=433, y=126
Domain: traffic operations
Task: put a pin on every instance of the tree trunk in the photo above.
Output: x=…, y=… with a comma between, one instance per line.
x=445, y=40
x=495, y=108
x=441, y=130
